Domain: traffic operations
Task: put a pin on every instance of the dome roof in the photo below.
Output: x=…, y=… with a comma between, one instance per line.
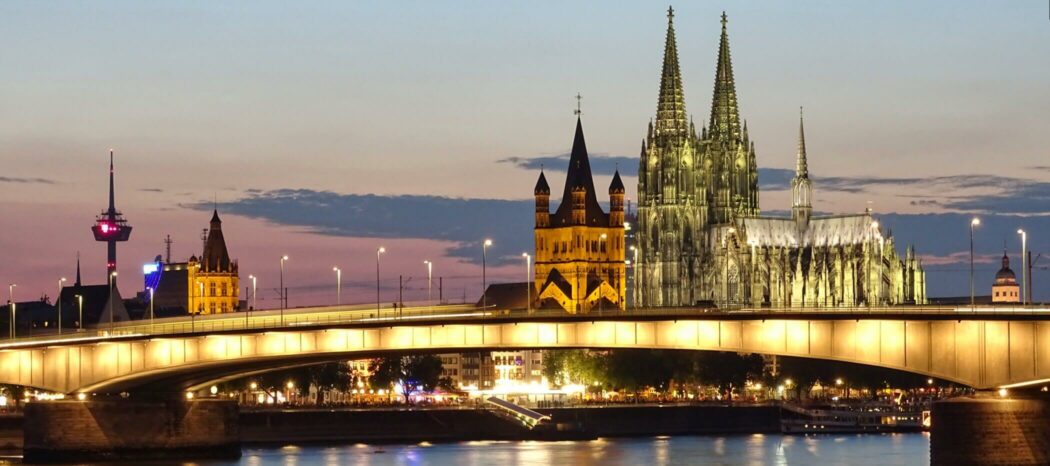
x=1005, y=276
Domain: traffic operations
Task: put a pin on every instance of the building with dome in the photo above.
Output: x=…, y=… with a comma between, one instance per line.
x=1005, y=288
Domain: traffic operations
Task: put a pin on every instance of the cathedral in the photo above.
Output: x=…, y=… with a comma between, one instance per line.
x=701, y=239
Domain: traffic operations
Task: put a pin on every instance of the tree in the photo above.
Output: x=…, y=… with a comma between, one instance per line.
x=409, y=372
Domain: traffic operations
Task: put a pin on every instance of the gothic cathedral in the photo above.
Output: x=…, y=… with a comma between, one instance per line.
x=701, y=238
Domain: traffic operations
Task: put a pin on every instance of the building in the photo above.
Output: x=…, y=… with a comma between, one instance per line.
x=579, y=248
x=505, y=371
x=85, y=306
x=206, y=285
x=701, y=239
x=1005, y=288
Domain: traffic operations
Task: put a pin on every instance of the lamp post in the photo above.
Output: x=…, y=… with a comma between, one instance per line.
x=284, y=295
x=255, y=301
x=1024, y=267
x=151, y=293
x=11, y=306
x=634, y=272
x=528, y=281
x=200, y=307
x=59, y=299
x=379, y=251
x=605, y=240
x=338, y=285
x=80, y=308
x=973, y=224
x=430, y=283
x=484, y=281
x=112, y=279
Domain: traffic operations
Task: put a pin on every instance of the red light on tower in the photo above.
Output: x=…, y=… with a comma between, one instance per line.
x=110, y=226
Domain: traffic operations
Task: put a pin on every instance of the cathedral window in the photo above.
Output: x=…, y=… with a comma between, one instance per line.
x=211, y=289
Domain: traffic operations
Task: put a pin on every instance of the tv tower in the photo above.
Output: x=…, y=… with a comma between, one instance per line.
x=110, y=226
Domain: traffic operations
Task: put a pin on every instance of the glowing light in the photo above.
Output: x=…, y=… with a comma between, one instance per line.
x=152, y=267
x=1002, y=393
x=253, y=385
x=189, y=395
x=214, y=390
x=81, y=396
x=976, y=221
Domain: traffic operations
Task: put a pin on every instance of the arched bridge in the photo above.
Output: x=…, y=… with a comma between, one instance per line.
x=986, y=348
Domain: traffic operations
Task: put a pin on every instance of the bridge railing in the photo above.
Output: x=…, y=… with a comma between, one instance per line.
x=349, y=315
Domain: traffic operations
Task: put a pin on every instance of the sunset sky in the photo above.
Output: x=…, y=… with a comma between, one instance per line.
x=323, y=130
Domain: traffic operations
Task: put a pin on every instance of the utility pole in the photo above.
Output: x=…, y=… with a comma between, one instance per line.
x=167, y=249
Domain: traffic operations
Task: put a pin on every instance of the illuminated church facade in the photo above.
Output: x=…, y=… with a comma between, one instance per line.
x=579, y=247
x=701, y=238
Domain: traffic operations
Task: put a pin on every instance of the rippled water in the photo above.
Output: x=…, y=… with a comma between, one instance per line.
x=853, y=450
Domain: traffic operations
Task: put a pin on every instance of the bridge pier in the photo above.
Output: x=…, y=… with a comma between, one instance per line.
x=988, y=429
x=77, y=431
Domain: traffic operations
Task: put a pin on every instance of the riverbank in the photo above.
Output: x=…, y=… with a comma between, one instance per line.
x=450, y=425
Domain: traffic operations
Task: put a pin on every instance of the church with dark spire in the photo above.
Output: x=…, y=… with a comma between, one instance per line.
x=700, y=235
x=579, y=248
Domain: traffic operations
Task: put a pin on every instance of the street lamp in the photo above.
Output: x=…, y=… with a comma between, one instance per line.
x=151, y=293
x=59, y=299
x=338, y=285
x=484, y=282
x=11, y=306
x=973, y=224
x=255, y=301
x=528, y=281
x=430, y=287
x=379, y=251
x=200, y=307
x=1024, y=267
x=80, y=307
x=634, y=272
x=112, y=280
x=284, y=294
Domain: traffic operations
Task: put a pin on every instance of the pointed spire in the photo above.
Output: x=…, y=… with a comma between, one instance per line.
x=670, y=109
x=112, y=201
x=725, y=117
x=801, y=167
x=77, y=283
x=541, y=185
x=215, y=222
x=616, y=187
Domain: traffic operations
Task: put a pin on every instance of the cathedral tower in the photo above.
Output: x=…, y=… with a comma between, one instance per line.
x=801, y=191
x=672, y=200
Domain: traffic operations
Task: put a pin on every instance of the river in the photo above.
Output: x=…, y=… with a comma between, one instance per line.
x=853, y=450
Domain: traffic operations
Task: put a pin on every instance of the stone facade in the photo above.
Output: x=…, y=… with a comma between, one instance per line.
x=700, y=235
x=579, y=248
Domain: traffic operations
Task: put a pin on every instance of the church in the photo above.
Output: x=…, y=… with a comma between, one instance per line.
x=702, y=240
x=580, y=248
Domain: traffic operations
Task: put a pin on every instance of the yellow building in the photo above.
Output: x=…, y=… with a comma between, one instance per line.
x=213, y=282
x=580, y=248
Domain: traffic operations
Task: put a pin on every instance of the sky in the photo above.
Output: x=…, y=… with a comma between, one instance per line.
x=324, y=130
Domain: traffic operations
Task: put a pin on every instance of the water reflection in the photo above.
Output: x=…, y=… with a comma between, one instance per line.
x=859, y=450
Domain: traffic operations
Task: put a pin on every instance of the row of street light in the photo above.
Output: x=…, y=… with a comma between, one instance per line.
x=1025, y=294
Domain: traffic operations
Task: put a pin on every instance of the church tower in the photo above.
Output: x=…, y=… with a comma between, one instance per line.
x=801, y=190
x=213, y=281
x=672, y=201
x=580, y=248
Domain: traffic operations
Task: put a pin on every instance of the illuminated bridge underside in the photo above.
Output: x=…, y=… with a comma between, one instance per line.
x=979, y=353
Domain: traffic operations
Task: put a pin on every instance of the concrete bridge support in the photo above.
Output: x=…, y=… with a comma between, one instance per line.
x=77, y=431
x=989, y=430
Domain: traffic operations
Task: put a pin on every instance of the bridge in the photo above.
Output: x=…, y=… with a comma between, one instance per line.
x=983, y=347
